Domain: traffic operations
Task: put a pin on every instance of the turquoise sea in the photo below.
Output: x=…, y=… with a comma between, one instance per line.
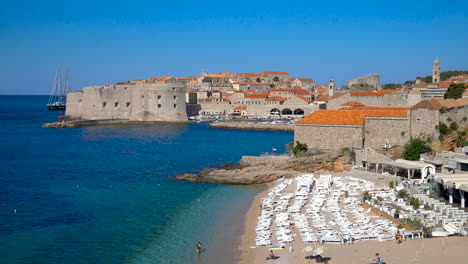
x=102, y=194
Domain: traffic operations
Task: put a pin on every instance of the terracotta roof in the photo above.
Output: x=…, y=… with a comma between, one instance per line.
x=348, y=117
x=438, y=103
x=248, y=74
x=193, y=81
x=444, y=84
x=276, y=98
x=387, y=108
x=251, y=83
x=305, y=99
x=301, y=92
x=305, y=80
x=242, y=107
x=253, y=95
x=420, y=85
x=161, y=79
x=353, y=104
x=184, y=78
x=274, y=72
x=323, y=98
x=217, y=75
x=378, y=93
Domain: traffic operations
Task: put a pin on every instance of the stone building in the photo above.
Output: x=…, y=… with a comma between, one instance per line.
x=381, y=98
x=272, y=75
x=354, y=129
x=253, y=86
x=136, y=102
x=371, y=127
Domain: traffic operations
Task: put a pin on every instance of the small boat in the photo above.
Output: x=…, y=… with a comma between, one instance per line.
x=58, y=95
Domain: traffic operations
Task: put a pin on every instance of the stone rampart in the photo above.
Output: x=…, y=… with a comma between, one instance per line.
x=141, y=102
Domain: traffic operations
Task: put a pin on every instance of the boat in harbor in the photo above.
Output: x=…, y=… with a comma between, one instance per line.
x=58, y=95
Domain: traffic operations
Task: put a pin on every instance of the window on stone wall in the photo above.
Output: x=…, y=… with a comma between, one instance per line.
x=128, y=104
x=116, y=104
x=104, y=104
x=159, y=105
x=175, y=105
x=159, y=97
x=418, y=119
x=175, y=97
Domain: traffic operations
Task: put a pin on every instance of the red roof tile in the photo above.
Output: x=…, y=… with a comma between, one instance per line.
x=348, y=117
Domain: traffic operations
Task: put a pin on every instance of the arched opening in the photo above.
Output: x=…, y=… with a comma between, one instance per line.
x=299, y=112
x=286, y=111
x=275, y=111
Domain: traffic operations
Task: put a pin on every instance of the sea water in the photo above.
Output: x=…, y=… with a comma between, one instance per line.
x=104, y=194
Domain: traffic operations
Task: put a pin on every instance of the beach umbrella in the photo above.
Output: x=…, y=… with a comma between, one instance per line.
x=276, y=248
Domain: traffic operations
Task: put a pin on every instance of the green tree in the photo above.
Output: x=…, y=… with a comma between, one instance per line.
x=299, y=149
x=391, y=86
x=414, y=148
x=455, y=91
x=276, y=79
x=461, y=138
x=443, y=129
x=402, y=194
x=259, y=80
x=272, y=85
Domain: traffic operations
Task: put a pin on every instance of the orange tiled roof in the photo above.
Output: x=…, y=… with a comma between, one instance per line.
x=253, y=95
x=420, y=85
x=193, y=81
x=217, y=75
x=305, y=99
x=444, y=84
x=301, y=92
x=251, y=83
x=353, y=104
x=242, y=107
x=388, y=108
x=378, y=93
x=274, y=72
x=161, y=79
x=276, y=98
x=348, y=117
x=248, y=74
x=438, y=103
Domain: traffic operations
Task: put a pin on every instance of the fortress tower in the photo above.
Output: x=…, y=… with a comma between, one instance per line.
x=331, y=88
x=436, y=71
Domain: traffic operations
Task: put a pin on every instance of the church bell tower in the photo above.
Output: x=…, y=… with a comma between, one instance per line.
x=436, y=71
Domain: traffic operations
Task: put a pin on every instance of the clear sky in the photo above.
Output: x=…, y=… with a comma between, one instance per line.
x=110, y=41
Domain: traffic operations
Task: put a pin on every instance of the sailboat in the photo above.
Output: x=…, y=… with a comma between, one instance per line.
x=58, y=94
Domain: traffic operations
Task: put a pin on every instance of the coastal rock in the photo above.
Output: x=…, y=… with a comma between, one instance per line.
x=248, y=175
x=59, y=125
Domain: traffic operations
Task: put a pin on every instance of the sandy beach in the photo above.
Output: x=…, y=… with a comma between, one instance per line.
x=433, y=250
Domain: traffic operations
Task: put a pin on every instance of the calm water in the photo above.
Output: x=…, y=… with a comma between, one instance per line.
x=101, y=194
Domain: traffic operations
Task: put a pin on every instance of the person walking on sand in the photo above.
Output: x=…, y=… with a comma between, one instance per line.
x=398, y=237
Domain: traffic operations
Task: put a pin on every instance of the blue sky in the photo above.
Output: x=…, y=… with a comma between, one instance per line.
x=110, y=41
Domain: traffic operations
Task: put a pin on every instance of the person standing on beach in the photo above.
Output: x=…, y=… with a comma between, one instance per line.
x=398, y=237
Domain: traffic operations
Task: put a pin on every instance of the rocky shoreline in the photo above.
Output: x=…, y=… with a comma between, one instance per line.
x=253, y=126
x=264, y=169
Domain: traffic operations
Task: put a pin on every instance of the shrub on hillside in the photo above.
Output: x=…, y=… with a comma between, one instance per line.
x=414, y=148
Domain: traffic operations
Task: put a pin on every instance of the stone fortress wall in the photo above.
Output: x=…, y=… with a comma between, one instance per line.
x=371, y=79
x=140, y=102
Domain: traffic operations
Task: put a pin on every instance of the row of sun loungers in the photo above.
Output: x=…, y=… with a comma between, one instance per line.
x=318, y=209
